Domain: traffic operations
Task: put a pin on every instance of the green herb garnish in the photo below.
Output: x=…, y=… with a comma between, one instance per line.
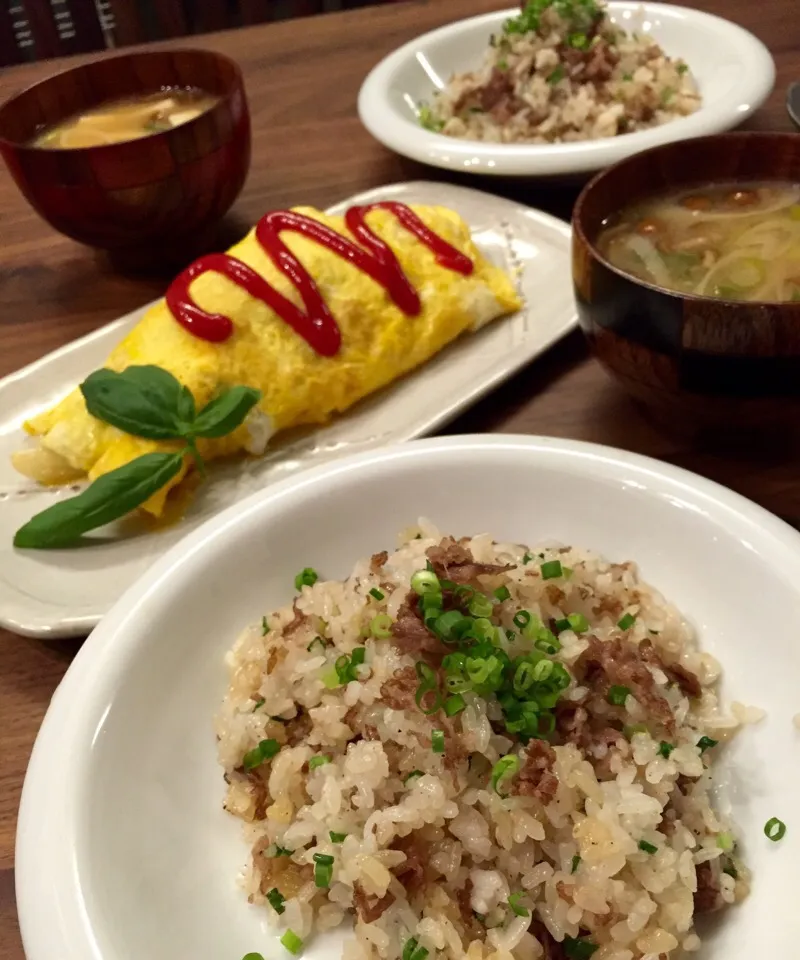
x=144, y=401
x=578, y=14
x=276, y=900
x=265, y=750
x=426, y=119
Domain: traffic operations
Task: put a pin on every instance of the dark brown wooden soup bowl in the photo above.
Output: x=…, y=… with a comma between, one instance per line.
x=149, y=196
x=696, y=362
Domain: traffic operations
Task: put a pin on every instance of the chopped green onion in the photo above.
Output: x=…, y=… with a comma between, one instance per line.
x=665, y=749
x=522, y=619
x=451, y=625
x=318, y=761
x=265, y=750
x=337, y=837
x=437, y=741
x=380, y=626
x=578, y=622
x=524, y=677
x=557, y=75
x=502, y=593
x=706, y=743
x=543, y=670
x=775, y=829
x=725, y=841
x=276, y=900
x=264, y=627
x=281, y=851
x=413, y=951
x=346, y=666
x=562, y=625
x=314, y=642
x=731, y=870
x=331, y=679
x=551, y=569
x=253, y=956
x=527, y=558
x=627, y=621
x=647, y=847
x=579, y=949
x=292, y=942
x=378, y=594
x=414, y=775
x=578, y=41
x=323, y=870
x=627, y=77
x=483, y=629
x=480, y=606
x=547, y=642
x=516, y=907
x=681, y=68
x=547, y=723
x=260, y=701
x=428, y=683
x=617, y=695
x=575, y=863
x=504, y=768
x=307, y=577
x=425, y=582
x=454, y=705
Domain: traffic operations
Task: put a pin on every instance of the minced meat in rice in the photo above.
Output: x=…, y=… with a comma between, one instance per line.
x=561, y=72
x=522, y=770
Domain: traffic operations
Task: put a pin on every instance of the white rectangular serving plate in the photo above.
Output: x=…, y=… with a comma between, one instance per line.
x=63, y=593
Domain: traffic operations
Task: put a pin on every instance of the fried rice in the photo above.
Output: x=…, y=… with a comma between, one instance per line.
x=562, y=72
x=480, y=749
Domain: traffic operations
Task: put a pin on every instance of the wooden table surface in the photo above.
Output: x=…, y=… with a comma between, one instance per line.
x=309, y=147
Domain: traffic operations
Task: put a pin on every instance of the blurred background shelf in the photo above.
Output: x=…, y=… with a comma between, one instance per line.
x=41, y=29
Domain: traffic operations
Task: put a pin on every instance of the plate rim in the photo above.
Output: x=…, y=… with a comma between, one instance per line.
x=390, y=128
x=75, y=714
x=63, y=624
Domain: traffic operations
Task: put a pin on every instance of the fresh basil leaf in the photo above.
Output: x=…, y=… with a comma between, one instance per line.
x=108, y=498
x=226, y=412
x=186, y=407
x=144, y=401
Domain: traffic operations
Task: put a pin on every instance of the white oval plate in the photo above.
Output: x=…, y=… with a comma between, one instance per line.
x=60, y=593
x=123, y=849
x=734, y=70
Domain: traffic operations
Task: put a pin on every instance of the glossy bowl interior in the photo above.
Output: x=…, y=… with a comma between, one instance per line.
x=148, y=194
x=696, y=361
x=122, y=842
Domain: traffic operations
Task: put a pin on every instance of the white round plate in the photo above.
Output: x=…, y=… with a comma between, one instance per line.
x=734, y=70
x=124, y=851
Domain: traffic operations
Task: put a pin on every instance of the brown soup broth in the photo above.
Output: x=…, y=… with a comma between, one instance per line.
x=735, y=241
x=129, y=119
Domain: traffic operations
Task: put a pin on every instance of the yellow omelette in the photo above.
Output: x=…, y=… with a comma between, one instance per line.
x=299, y=386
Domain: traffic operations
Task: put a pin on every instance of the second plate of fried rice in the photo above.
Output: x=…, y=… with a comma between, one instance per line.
x=557, y=87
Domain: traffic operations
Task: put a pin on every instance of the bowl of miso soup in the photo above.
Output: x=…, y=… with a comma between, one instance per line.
x=139, y=154
x=686, y=264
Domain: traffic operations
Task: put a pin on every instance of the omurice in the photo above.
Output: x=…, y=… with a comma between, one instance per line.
x=312, y=311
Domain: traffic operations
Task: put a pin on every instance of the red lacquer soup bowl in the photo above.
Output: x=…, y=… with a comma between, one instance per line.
x=150, y=195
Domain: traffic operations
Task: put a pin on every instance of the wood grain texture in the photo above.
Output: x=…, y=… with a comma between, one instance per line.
x=308, y=147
